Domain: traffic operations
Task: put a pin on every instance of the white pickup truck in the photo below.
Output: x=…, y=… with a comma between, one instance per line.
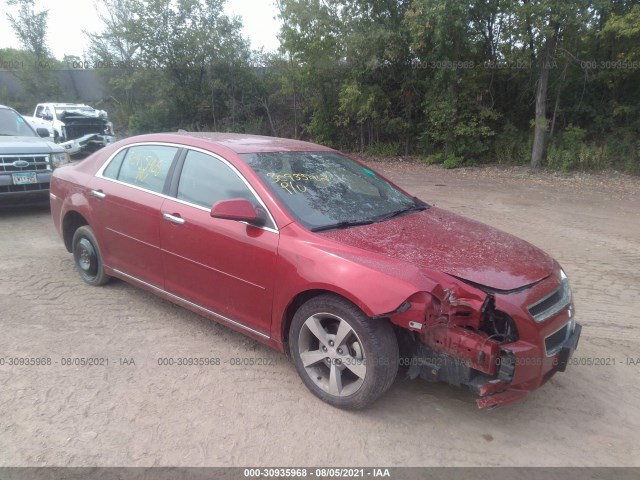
x=78, y=128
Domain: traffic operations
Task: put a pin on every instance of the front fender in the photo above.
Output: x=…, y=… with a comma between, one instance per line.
x=378, y=285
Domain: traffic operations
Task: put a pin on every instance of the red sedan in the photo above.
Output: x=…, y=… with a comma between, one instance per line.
x=317, y=255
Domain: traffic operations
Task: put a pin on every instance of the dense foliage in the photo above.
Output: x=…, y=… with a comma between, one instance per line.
x=550, y=82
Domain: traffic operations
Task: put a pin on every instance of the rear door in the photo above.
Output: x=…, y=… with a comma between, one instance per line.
x=127, y=197
x=224, y=266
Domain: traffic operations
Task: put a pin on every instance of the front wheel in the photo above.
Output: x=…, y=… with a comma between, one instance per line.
x=345, y=358
x=87, y=257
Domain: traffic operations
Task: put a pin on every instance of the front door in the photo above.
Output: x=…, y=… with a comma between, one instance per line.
x=223, y=265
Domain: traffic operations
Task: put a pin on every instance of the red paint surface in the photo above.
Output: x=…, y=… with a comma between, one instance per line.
x=252, y=276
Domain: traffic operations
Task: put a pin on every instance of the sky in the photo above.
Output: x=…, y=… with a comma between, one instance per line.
x=68, y=18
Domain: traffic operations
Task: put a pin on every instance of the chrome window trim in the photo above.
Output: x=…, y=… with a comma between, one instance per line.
x=199, y=307
x=100, y=174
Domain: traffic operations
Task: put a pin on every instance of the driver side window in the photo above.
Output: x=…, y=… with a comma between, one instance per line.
x=205, y=180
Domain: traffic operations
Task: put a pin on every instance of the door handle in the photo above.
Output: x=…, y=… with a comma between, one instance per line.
x=98, y=194
x=173, y=218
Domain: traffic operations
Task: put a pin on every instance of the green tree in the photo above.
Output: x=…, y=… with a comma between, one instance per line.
x=507, y=79
x=37, y=64
x=543, y=27
x=30, y=26
x=379, y=94
x=452, y=43
x=311, y=35
x=356, y=79
x=180, y=63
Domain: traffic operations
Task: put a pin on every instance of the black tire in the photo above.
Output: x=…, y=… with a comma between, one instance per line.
x=361, y=360
x=87, y=257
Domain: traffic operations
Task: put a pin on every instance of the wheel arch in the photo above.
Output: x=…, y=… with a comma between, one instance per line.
x=302, y=297
x=70, y=223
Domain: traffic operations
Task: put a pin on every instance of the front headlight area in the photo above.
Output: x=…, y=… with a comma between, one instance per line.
x=553, y=303
x=58, y=159
x=564, y=281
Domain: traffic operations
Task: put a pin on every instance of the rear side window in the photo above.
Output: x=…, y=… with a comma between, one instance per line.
x=113, y=169
x=145, y=166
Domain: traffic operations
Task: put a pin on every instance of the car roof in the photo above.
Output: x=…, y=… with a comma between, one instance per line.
x=240, y=142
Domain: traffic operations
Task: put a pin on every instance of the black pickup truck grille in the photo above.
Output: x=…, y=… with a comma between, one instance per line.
x=76, y=131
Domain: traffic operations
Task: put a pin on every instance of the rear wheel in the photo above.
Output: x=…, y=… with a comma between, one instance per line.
x=345, y=358
x=87, y=257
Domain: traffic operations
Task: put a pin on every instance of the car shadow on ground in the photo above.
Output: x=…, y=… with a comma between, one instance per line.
x=23, y=210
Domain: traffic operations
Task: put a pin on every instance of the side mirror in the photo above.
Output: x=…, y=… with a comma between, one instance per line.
x=43, y=132
x=240, y=210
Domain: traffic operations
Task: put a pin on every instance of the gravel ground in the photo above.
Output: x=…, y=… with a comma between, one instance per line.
x=134, y=412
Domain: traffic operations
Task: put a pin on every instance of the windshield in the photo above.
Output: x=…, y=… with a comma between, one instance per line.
x=326, y=190
x=12, y=124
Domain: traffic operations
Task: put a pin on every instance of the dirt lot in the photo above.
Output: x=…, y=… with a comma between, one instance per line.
x=143, y=414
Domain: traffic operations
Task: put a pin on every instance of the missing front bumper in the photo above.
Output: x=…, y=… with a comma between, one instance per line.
x=530, y=372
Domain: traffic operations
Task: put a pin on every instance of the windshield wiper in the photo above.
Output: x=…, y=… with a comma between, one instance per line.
x=343, y=224
x=418, y=207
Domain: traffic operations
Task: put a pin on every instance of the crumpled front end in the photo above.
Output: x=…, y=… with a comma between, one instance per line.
x=85, y=131
x=87, y=143
x=500, y=344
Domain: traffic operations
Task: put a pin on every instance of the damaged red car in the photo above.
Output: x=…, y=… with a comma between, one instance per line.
x=319, y=256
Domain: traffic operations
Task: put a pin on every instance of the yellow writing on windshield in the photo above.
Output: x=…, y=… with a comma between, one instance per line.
x=294, y=183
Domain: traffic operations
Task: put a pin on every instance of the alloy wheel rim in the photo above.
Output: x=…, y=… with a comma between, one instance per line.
x=332, y=354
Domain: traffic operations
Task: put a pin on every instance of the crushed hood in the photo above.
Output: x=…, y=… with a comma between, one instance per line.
x=72, y=116
x=449, y=243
